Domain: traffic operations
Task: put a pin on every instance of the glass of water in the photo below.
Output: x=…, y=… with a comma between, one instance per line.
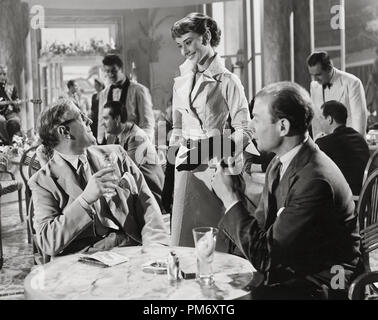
x=111, y=160
x=205, y=240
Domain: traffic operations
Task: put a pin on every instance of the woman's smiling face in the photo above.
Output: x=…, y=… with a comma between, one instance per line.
x=192, y=47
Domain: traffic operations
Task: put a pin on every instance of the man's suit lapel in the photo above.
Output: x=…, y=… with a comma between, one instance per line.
x=65, y=175
x=300, y=160
x=289, y=177
x=338, y=89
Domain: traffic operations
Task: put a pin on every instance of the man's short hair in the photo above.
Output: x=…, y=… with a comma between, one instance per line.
x=112, y=59
x=50, y=119
x=336, y=110
x=291, y=102
x=116, y=109
x=322, y=58
x=70, y=83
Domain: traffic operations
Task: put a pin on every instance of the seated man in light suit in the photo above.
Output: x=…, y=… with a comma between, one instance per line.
x=304, y=226
x=71, y=212
x=136, y=143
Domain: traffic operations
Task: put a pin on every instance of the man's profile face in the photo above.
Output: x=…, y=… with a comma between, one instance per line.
x=318, y=74
x=113, y=72
x=3, y=75
x=325, y=124
x=110, y=123
x=266, y=132
x=79, y=129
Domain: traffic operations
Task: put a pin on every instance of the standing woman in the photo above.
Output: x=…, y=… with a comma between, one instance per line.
x=207, y=100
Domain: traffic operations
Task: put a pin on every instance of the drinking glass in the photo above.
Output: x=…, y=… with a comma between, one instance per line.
x=205, y=240
x=110, y=160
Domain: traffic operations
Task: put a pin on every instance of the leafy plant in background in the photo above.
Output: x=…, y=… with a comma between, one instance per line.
x=19, y=145
x=151, y=43
x=94, y=47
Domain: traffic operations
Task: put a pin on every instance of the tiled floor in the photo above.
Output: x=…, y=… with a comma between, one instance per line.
x=17, y=253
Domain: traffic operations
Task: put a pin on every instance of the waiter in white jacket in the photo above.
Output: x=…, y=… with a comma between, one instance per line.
x=329, y=83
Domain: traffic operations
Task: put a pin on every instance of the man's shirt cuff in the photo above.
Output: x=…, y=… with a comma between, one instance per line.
x=86, y=206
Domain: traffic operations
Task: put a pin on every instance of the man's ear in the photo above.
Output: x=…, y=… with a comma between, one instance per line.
x=329, y=120
x=284, y=126
x=64, y=132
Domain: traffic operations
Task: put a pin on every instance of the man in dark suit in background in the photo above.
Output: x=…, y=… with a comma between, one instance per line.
x=304, y=225
x=344, y=145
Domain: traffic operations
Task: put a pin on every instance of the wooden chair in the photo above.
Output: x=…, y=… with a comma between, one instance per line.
x=371, y=165
x=11, y=184
x=367, y=211
x=357, y=290
x=24, y=171
x=28, y=166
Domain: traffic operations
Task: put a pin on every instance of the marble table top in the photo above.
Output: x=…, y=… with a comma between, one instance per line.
x=66, y=278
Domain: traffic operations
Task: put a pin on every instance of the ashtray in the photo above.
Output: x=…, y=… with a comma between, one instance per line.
x=158, y=267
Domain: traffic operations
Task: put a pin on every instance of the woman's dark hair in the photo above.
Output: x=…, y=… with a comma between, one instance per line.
x=198, y=23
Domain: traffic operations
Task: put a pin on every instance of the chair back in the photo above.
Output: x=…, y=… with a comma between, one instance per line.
x=34, y=165
x=371, y=165
x=39, y=256
x=25, y=162
x=367, y=212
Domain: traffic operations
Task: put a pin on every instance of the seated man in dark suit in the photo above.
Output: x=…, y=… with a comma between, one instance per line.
x=304, y=226
x=344, y=145
x=136, y=143
x=80, y=204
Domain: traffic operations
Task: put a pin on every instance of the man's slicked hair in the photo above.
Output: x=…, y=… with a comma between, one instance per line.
x=322, y=58
x=336, y=110
x=291, y=102
x=50, y=119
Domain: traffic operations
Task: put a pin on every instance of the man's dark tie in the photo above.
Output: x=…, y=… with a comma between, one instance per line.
x=81, y=176
x=273, y=181
x=116, y=141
